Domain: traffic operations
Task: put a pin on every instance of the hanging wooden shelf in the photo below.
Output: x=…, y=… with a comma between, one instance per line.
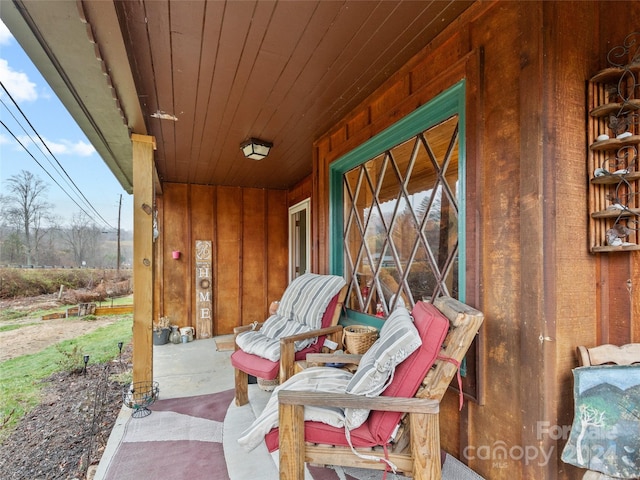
x=613, y=74
x=615, y=108
x=623, y=248
x=615, y=213
x=614, y=179
x=615, y=143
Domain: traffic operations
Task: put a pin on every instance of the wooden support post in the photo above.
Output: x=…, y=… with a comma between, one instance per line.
x=143, y=256
x=291, y=442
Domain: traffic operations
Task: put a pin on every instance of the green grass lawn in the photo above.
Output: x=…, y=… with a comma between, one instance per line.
x=21, y=377
x=7, y=328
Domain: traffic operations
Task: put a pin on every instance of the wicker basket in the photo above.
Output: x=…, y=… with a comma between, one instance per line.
x=268, y=385
x=358, y=338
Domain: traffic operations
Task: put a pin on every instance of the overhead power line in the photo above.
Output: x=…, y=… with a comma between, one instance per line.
x=73, y=185
x=47, y=172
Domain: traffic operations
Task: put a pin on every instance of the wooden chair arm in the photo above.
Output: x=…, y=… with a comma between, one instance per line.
x=243, y=328
x=246, y=328
x=311, y=334
x=389, y=404
x=346, y=358
x=287, y=351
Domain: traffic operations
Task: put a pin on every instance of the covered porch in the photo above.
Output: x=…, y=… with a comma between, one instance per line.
x=167, y=91
x=202, y=368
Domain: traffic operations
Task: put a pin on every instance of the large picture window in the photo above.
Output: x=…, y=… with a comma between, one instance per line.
x=397, y=204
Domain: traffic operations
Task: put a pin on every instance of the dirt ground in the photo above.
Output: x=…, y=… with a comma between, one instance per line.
x=64, y=436
x=43, y=333
x=39, y=334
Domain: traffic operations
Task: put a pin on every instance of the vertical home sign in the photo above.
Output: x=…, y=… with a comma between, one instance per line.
x=204, y=280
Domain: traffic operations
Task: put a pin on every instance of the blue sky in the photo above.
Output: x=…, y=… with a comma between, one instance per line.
x=63, y=137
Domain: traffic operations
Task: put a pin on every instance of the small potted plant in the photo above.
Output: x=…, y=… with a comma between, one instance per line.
x=161, y=330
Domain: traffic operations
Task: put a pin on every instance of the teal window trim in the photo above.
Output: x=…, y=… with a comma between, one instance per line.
x=440, y=108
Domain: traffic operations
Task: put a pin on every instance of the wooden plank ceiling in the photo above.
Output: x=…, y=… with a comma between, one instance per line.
x=283, y=71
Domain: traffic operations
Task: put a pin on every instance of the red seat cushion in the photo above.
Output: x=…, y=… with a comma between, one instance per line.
x=432, y=326
x=262, y=368
x=327, y=317
x=254, y=365
x=317, y=432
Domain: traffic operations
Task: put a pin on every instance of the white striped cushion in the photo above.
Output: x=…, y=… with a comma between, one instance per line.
x=398, y=339
x=266, y=342
x=307, y=297
x=300, y=310
x=316, y=379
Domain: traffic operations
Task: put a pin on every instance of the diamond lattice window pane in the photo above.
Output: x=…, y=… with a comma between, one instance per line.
x=401, y=222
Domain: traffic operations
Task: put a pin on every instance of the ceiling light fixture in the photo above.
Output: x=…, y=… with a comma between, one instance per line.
x=255, y=148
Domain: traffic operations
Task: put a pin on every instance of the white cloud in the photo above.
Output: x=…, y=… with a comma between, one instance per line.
x=84, y=149
x=5, y=34
x=17, y=83
x=62, y=147
x=66, y=147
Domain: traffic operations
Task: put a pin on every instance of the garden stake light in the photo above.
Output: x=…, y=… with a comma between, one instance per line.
x=86, y=360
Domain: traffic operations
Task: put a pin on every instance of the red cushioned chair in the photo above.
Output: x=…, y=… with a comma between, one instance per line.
x=418, y=386
x=246, y=364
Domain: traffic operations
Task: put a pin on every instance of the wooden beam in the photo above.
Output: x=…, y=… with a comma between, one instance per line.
x=143, y=258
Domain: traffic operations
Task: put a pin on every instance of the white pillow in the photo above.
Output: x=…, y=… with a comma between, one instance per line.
x=398, y=339
x=265, y=342
x=316, y=379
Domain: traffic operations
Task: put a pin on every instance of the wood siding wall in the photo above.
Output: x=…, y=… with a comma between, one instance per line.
x=526, y=66
x=248, y=231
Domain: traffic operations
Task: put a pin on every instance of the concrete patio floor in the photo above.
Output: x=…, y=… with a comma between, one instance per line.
x=198, y=368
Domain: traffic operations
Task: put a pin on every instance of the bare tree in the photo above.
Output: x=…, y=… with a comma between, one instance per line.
x=589, y=417
x=83, y=237
x=26, y=208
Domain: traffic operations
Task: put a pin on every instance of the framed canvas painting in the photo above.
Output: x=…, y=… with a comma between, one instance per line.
x=605, y=435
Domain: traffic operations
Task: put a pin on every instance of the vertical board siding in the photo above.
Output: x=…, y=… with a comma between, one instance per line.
x=176, y=276
x=300, y=191
x=276, y=236
x=532, y=274
x=619, y=278
x=228, y=246
x=254, y=253
x=248, y=231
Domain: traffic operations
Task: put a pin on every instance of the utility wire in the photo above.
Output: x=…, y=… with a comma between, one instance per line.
x=70, y=185
x=47, y=172
x=87, y=202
